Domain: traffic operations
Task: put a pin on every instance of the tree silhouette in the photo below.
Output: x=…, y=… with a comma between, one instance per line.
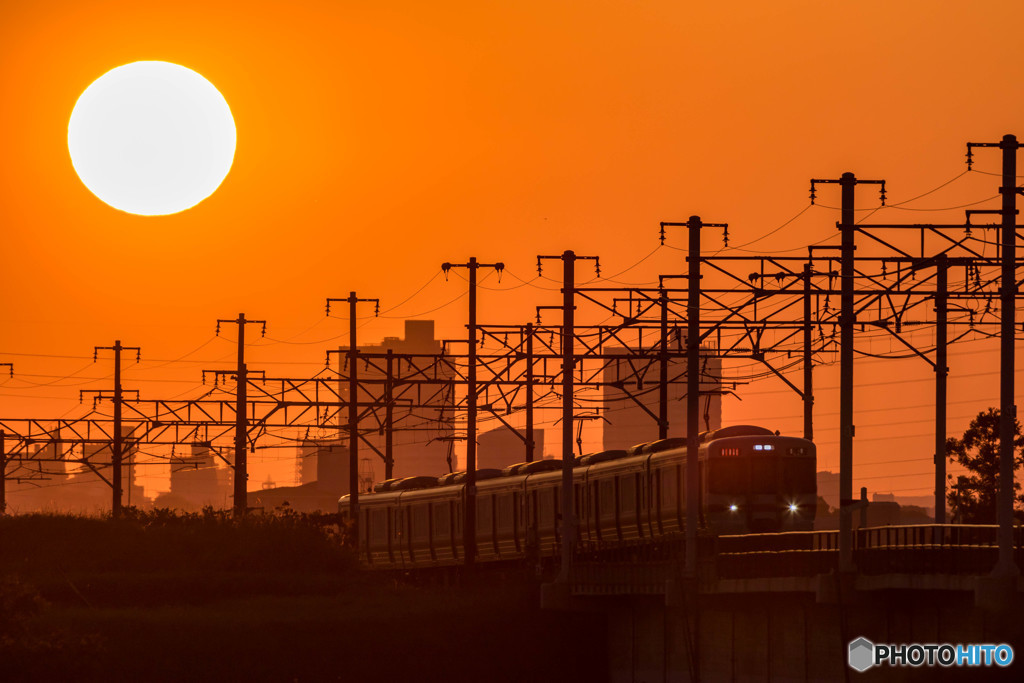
x=972, y=498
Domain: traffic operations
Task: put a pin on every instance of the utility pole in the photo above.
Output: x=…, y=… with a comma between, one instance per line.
x=241, y=418
x=663, y=367
x=469, y=516
x=389, y=418
x=3, y=474
x=808, y=358
x=353, y=409
x=530, y=444
x=117, y=438
x=1005, y=566
x=3, y=461
x=941, y=375
x=847, y=318
x=693, y=226
x=568, y=526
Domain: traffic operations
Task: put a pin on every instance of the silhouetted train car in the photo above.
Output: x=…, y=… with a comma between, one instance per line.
x=751, y=480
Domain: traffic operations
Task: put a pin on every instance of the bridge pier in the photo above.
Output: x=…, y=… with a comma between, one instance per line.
x=799, y=631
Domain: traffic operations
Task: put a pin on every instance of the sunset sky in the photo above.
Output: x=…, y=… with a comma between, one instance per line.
x=378, y=139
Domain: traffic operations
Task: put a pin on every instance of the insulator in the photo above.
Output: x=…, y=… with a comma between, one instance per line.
x=539, y=269
x=725, y=236
x=970, y=158
x=661, y=234
x=376, y=308
x=813, y=196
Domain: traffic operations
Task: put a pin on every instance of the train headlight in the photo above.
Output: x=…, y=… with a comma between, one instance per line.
x=793, y=507
x=734, y=508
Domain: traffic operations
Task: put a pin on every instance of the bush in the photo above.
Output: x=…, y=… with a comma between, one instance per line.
x=162, y=540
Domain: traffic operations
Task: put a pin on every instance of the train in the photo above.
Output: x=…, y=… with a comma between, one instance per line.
x=752, y=480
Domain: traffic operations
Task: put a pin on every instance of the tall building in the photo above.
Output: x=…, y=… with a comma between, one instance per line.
x=89, y=490
x=631, y=396
x=422, y=436
x=35, y=483
x=498, y=448
x=324, y=461
x=828, y=487
x=197, y=481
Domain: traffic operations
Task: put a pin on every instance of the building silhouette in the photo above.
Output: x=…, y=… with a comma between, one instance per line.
x=631, y=395
x=421, y=439
x=500, y=447
x=74, y=478
x=36, y=483
x=197, y=481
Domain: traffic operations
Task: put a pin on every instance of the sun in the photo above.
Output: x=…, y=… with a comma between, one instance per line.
x=151, y=138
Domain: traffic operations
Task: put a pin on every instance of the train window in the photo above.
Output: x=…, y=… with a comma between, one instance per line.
x=399, y=522
x=504, y=511
x=378, y=525
x=728, y=475
x=442, y=522
x=546, y=508
x=484, y=514
x=668, y=487
x=627, y=492
x=764, y=475
x=420, y=522
x=798, y=475
x=607, y=498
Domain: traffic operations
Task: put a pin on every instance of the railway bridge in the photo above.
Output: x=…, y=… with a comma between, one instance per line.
x=776, y=607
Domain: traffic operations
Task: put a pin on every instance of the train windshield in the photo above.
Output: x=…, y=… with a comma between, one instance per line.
x=798, y=475
x=729, y=475
x=743, y=475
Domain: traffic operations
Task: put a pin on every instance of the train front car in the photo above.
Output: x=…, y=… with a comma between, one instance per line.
x=756, y=481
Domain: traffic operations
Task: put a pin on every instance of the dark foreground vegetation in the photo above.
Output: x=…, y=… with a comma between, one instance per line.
x=167, y=597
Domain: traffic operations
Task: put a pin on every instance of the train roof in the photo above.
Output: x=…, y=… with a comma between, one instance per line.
x=405, y=484
x=534, y=467
x=603, y=456
x=735, y=430
x=664, y=445
x=460, y=477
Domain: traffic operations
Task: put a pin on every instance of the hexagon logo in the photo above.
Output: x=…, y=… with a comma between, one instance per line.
x=862, y=654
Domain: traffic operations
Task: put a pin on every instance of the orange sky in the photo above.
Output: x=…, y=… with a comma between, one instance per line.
x=376, y=140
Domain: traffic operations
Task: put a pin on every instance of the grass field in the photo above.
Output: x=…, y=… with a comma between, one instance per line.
x=163, y=597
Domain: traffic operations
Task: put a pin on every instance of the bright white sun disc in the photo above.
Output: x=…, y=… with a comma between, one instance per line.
x=151, y=138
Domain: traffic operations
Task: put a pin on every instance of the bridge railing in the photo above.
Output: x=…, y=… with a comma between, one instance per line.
x=644, y=566
x=925, y=548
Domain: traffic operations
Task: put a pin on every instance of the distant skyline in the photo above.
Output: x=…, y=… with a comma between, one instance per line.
x=377, y=141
